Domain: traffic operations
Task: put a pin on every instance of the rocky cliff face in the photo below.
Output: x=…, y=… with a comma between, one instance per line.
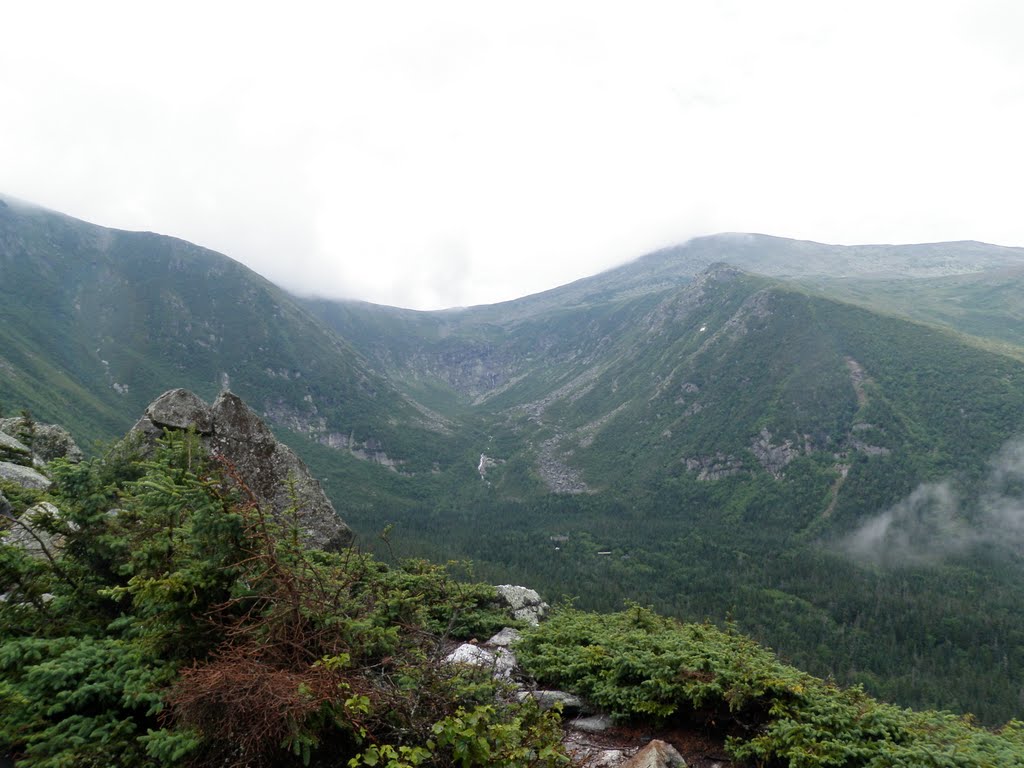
x=278, y=479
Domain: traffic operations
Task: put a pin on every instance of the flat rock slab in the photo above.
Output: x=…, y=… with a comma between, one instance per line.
x=26, y=477
x=594, y=724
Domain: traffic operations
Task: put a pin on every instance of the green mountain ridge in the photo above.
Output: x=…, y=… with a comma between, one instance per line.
x=106, y=319
x=186, y=626
x=678, y=430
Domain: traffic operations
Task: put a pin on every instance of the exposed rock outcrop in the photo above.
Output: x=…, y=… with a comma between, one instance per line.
x=49, y=441
x=278, y=479
x=709, y=468
x=774, y=458
x=315, y=427
x=524, y=604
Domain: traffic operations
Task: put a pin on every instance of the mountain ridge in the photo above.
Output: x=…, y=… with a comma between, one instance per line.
x=693, y=435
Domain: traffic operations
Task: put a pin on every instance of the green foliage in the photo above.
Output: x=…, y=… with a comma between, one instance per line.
x=638, y=664
x=939, y=632
x=180, y=624
x=95, y=323
x=498, y=737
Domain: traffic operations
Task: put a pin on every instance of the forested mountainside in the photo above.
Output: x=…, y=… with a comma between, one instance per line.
x=94, y=322
x=159, y=610
x=690, y=430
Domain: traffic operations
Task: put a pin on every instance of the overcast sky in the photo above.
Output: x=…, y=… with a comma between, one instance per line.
x=431, y=154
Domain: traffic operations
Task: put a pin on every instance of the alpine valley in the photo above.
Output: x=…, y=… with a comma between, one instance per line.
x=817, y=444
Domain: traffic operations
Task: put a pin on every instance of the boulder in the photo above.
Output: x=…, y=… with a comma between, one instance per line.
x=49, y=441
x=274, y=473
x=278, y=480
x=501, y=661
x=180, y=409
x=5, y=506
x=52, y=441
x=504, y=639
x=14, y=451
x=32, y=531
x=524, y=604
x=26, y=477
x=656, y=754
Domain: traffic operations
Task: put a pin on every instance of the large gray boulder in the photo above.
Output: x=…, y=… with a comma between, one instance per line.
x=180, y=409
x=277, y=478
x=500, y=661
x=26, y=477
x=523, y=603
x=49, y=441
x=35, y=533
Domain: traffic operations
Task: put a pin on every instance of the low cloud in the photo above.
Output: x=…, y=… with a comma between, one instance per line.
x=934, y=522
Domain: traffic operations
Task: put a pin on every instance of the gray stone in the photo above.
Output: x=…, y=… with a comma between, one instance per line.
x=180, y=409
x=657, y=754
x=49, y=441
x=30, y=531
x=548, y=699
x=54, y=442
x=500, y=661
x=505, y=638
x=14, y=451
x=5, y=506
x=523, y=603
x=277, y=479
x=593, y=724
x=26, y=477
x=273, y=472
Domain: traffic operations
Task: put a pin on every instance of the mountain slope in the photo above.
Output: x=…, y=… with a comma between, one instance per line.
x=713, y=449
x=462, y=355
x=94, y=323
x=677, y=431
x=988, y=305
